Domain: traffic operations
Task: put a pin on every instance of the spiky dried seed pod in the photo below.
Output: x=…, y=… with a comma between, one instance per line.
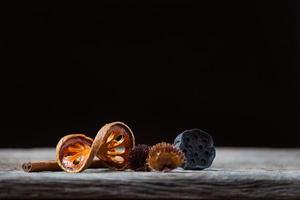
x=165, y=157
x=138, y=156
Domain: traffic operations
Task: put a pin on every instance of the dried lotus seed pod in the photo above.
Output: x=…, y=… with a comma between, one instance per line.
x=198, y=148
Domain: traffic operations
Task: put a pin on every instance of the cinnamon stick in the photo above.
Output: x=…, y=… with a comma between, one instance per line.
x=51, y=165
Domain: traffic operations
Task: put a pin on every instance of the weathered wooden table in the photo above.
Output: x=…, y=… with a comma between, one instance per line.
x=237, y=173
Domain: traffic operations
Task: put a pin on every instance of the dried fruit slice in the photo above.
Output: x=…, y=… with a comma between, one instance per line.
x=198, y=148
x=117, y=140
x=112, y=145
x=72, y=152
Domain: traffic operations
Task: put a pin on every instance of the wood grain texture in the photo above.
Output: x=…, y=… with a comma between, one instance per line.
x=237, y=173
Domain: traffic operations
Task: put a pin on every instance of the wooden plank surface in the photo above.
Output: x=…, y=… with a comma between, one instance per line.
x=237, y=173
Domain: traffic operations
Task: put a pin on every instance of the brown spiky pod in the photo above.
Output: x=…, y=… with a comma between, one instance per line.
x=165, y=157
x=138, y=156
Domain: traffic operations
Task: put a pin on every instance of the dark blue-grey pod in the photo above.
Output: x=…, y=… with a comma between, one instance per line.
x=198, y=147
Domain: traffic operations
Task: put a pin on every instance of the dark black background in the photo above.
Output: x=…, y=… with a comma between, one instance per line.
x=229, y=68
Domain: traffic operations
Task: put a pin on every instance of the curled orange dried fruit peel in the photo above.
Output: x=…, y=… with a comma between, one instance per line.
x=72, y=152
x=112, y=145
x=118, y=140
